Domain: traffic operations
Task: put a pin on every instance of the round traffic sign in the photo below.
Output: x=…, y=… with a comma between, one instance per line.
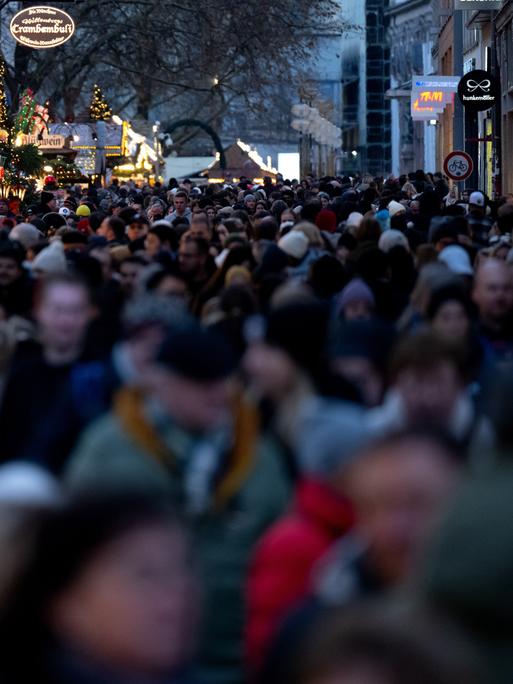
x=458, y=165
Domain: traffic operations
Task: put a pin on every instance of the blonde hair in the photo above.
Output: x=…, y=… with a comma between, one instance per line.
x=311, y=232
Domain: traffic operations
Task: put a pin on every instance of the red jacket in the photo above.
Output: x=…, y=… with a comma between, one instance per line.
x=284, y=558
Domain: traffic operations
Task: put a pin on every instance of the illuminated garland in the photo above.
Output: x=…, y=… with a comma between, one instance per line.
x=64, y=171
x=99, y=110
x=4, y=114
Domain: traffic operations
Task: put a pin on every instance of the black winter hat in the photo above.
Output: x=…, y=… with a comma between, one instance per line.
x=198, y=354
x=11, y=249
x=372, y=340
x=47, y=197
x=53, y=220
x=300, y=329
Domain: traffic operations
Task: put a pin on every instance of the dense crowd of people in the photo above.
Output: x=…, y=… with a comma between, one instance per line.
x=256, y=433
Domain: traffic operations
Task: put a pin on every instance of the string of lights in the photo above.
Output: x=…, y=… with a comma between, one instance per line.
x=4, y=114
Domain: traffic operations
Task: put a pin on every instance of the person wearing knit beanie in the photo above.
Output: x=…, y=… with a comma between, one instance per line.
x=393, y=238
x=326, y=220
x=356, y=302
x=353, y=222
x=395, y=208
x=48, y=203
x=27, y=234
x=50, y=260
x=294, y=244
x=299, y=329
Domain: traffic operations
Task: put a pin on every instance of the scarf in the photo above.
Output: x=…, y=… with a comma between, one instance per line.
x=129, y=409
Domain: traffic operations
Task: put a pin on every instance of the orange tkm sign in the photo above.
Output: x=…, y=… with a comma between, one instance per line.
x=431, y=96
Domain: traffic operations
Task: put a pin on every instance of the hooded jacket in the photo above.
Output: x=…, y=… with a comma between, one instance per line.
x=281, y=569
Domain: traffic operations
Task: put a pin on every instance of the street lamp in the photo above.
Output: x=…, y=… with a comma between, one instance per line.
x=156, y=145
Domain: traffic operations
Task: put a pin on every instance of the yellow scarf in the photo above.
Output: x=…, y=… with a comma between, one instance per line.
x=128, y=407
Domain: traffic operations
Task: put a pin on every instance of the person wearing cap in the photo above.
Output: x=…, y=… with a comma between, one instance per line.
x=479, y=222
x=187, y=434
x=137, y=227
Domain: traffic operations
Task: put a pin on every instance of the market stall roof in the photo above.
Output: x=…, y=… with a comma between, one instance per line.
x=241, y=160
x=82, y=136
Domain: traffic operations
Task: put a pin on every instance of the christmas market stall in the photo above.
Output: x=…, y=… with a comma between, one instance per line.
x=241, y=161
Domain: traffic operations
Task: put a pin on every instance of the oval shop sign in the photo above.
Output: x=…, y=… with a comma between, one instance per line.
x=42, y=27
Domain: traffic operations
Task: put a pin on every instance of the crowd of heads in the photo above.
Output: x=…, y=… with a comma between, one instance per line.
x=249, y=432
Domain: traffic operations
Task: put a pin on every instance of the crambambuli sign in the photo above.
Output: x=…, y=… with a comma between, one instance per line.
x=42, y=27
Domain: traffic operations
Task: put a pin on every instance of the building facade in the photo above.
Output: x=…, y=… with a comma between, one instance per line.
x=365, y=66
x=410, y=36
x=482, y=130
x=502, y=27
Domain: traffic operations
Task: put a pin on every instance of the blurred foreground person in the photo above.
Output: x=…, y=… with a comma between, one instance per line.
x=493, y=296
x=92, y=385
x=39, y=371
x=467, y=572
x=191, y=437
x=399, y=487
x=428, y=390
x=107, y=596
x=320, y=514
x=377, y=644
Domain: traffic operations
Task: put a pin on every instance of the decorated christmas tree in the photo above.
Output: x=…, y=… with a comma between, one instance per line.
x=32, y=118
x=19, y=161
x=99, y=110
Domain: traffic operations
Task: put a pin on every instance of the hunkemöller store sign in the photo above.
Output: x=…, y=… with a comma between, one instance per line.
x=42, y=27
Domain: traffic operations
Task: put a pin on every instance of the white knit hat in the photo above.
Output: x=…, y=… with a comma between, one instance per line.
x=27, y=234
x=295, y=244
x=457, y=260
x=395, y=208
x=392, y=238
x=354, y=219
x=51, y=259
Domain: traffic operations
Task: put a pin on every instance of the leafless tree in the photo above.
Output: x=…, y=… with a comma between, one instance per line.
x=193, y=57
